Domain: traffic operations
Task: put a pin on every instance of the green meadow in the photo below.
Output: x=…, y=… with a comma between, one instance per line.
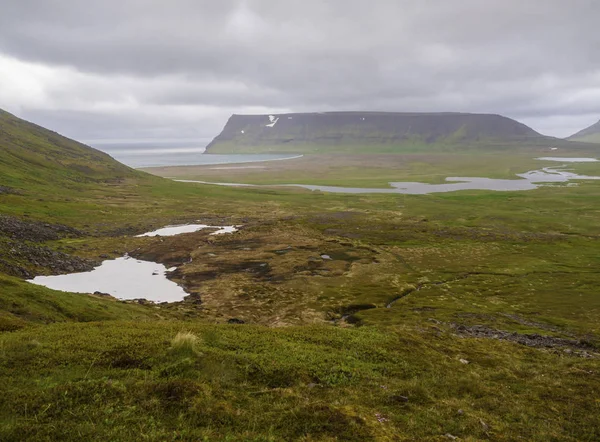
x=469, y=315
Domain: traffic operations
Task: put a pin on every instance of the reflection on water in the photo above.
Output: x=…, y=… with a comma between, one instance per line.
x=188, y=228
x=123, y=278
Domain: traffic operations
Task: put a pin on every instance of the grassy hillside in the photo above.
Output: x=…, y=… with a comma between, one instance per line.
x=588, y=135
x=33, y=155
x=470, y=315
x=23, y=304
x=149, y=381
x=590, y=138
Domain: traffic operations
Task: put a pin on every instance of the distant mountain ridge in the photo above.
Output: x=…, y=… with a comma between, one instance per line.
x=588, y=135
x=300, y=131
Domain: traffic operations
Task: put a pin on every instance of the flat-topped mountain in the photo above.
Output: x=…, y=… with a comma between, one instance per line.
x=330, y=130
x=588, y=135
x=31, y=153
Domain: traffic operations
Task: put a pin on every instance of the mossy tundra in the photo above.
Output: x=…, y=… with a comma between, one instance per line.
x=461, y=316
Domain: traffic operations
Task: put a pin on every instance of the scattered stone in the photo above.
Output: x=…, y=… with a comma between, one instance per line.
x=326, y=257
x=37, y=257
x=399, y=398
x=461, y=412
x=463, y=361
x=9, y=190
x=34, y=231
x=381, y=418
x=14, y=270
x=450, y=436
x=530, y=340
x=193, y=298
x=143, y=301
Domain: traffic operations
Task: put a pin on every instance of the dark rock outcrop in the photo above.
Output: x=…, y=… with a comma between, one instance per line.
x=21, y=254
x=35, y=231
x=26, y=260
x=529, y=340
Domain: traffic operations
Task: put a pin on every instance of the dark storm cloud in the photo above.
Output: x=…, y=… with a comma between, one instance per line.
x=139, y=67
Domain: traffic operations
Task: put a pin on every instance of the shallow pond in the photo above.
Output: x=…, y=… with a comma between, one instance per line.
x=123, y=278
x=128, y=278
x=569, y=160
x=188, y=228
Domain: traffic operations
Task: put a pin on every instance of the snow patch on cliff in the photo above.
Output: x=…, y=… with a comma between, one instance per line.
x=273, y=119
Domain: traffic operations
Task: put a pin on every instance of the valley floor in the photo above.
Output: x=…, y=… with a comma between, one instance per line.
x=471, y=315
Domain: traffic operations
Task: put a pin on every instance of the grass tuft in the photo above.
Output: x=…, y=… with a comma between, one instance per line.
x=185, y=343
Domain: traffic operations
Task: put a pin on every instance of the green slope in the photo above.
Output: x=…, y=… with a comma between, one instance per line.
x=33, y=156
x=590, y=138
x=590, y=134
x=473, y=275
x=23, y=304
x=45, y=176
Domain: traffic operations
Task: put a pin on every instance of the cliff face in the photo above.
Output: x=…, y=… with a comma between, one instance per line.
x=588, y=135
x=286, y=132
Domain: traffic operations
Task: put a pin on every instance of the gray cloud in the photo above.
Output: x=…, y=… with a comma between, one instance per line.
x=145, y=68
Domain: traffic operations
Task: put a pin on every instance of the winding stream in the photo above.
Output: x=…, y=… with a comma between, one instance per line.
x=528, y=181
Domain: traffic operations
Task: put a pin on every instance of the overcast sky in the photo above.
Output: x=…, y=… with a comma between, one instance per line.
x=150, y=69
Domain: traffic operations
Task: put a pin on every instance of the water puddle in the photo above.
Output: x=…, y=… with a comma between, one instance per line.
x=128, y=278
x=569, y=160
x=124, y=278
x=188, y=228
